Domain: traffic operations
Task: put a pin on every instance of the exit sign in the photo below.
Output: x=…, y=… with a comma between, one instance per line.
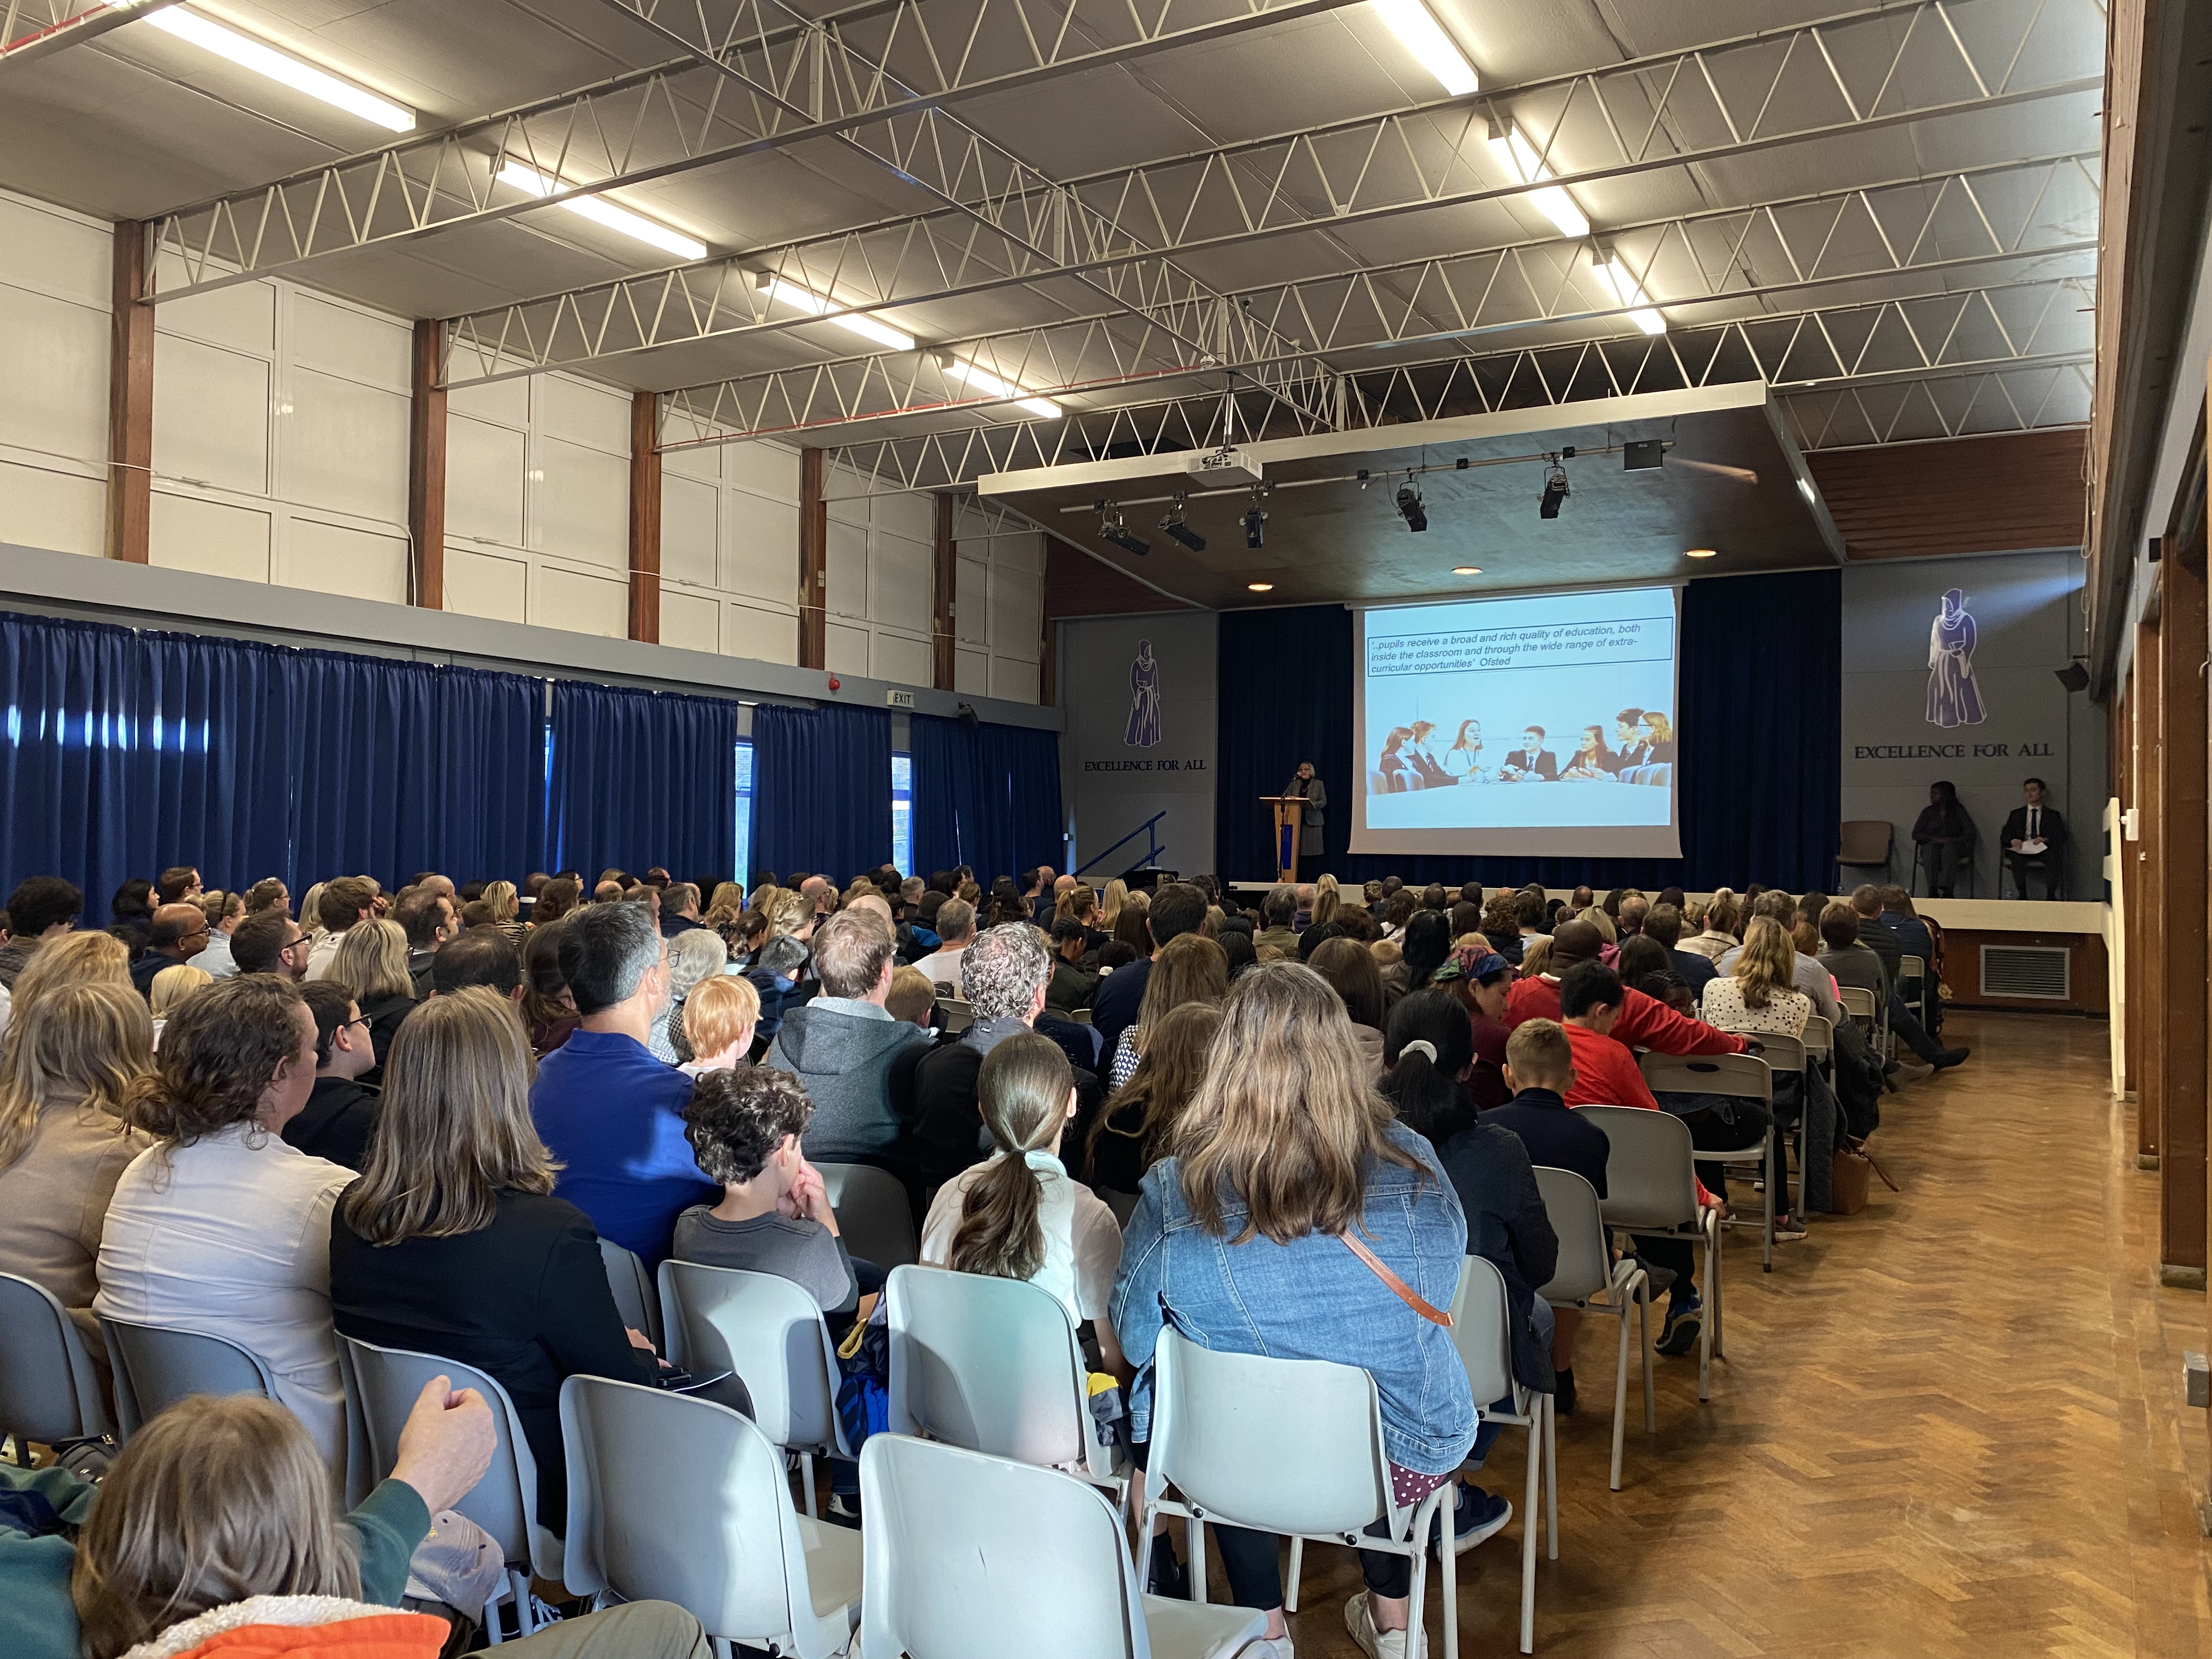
x=899, y=699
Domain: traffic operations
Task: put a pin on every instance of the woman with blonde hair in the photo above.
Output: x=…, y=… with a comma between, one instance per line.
x=371, y=962
x=1110, y=902
x=453, y=1243
x=1607, y=928
x=1292, y=1201
x=1076, y=903
x=506, y=910
x=311, y=911
x=170, y=987
x=726, y=906
x=72, y=959
x=1188, y=967
x=1327, y=899
x=68, y=1065
x=1759, y=995
x=719, y=1019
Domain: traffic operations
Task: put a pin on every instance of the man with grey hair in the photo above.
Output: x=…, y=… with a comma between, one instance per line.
x=854, y=1058
x=1003, y=974
x=605, y=1107
x=955, y=932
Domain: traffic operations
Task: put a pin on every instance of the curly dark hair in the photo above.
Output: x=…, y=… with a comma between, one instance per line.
x=736, y=1119
x=220, y=1051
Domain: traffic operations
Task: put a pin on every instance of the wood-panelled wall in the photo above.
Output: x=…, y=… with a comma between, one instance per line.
x=1989, y=494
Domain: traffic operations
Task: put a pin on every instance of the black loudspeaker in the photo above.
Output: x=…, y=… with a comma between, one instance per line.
x=966, y=716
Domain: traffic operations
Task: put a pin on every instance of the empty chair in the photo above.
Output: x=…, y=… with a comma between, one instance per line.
x=992, y=1364
x=1481, y=1332
x=1651, y=1187
x=974, y=1557
x=634, y=1298
x=1866, y=844
x=769, y=1331
x=49, y=1388
x=1292, y=1447
x=1819, y=1038
x=1587, y=1269
x=1738, y=1077
x=156, y=1367
x=675, y=1498
x=874, y=1216
x=382, y=1385
x=957, y=1015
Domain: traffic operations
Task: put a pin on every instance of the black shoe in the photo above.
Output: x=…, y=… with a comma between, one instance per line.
x=843, y=1511
x=1563, y=1396
x=1951, y=1057
x=1166, y=1576
x=1684, y=1317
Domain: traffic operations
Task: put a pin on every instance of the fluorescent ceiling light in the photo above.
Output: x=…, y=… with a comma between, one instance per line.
x=983, y=380
x=262, y=58
x=601, y=211
x=1419, y=32
x=1630, y=293
x=1806, y=489
x=1554, y=203
x=814, y=305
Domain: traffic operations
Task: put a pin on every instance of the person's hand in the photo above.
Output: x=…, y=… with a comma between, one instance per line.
x=640, y=1341
x=447, y=1444
x=812, y=1195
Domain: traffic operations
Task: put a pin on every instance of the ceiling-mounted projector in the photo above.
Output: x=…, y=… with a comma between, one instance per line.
x=1223, y=468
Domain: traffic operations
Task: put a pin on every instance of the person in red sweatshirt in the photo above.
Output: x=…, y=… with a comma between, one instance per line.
x=1643, y=1022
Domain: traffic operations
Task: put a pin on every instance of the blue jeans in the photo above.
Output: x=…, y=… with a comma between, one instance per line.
x=1486, y=1433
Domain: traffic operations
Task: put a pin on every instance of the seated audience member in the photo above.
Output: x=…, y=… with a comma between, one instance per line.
x=68, y=1067
x=782, y=960
x=1238, y=1236
x=1806, y=974
x=480, y=959
x=1644, y=1022
x=222, y=1225
x=1856, y=961
x=1314, y=936
x=453, y=1244
x=340, y=903
x=1480, y=980
x=1071, y=987
x=955, y=932
x=1279, y=912
x=912, y=998
x=371, y=963
x=223, y=911
x=340, y=1111
x=1177, y=909
x=1431, y=1055
x=1352, y=973
x=547, y=1013
x=428, y=919
x=169, y=989
x=506, y=910
x=130, y=912
x=1237, y=950
x=719, y=1019
x=679, y=909
x=1501, y=923
x=1139, y=1124
x=1003, y=976
x=610, y=1115
x=43, y=907
x=1428, y=941
x=1724, y=919
x=560, y=897
x=1188, y=969
x=1663, y=927
x=1873, y=933
x=694, y=954
x=1018, y=1214
x=1912, y=934
x=1849, y=961
x=73, y=959
x=1397, y=910
x=475, y=914
x=1756, y=995
x=844, y=1047
x=271, y=942
x=177, y=934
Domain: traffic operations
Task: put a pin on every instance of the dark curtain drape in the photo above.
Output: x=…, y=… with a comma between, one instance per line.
x=936, y=820
x=367, y=785
x=640, y=778
x=1760, y=756
x=491, y=751
x=1009, y=801
x=218, y=732
x=822, y=790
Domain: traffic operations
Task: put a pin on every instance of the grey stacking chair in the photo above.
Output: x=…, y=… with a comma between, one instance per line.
x=1482, y=1331
x=675, y=1498
x=155, y=1367
x=771, y=1332
x=974, y=1557
x=958, y=1016
x=873, y=1214
x=1586, y=1269
x=633, y=1289
x=1651, y=1187
x=49, y=1387
x=1819, y=1039
x=1859, y=1003
x=1738, y=1077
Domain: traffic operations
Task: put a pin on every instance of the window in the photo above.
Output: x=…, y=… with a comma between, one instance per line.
x=902, y=813
x=745, y=848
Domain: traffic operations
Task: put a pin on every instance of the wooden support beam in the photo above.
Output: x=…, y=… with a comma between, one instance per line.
x=813, y=561
x=944, y=587
x=130, y=401
x=2148, y=944
x=2120, y=750
x=2182, y=893
x=426, y=470
x=645, y=517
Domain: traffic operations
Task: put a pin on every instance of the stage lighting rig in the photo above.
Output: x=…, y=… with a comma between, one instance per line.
x=1255, y=520
x=1111, y=529
x=1410, y=506
x=1174, y=526
x=1555, y=486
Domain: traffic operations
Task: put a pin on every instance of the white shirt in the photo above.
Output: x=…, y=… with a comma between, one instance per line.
x=324, y=950
x=1082, y=1241
x=943, y=966
x=231, y=1236
x=217, y=958
x=1722, y=1006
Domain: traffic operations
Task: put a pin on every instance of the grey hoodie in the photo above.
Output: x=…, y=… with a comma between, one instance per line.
x=846, y=1062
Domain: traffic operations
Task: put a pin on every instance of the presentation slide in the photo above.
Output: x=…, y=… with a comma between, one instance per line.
x=1539, y=726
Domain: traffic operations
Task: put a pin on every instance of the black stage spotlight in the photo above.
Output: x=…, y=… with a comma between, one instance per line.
x=1255, y=523
x=1410, y=508
x=1643, y=455
x=1111, y=529
x=2074, y=676
x=1173, y=525
x=1555, y=491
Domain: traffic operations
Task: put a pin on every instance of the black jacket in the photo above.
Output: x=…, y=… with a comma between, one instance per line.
x=2050, y=827
x=1506, y=1225
x=384, y=1015
x=337, y=1122
x=947, y=1133
x=1544, y=763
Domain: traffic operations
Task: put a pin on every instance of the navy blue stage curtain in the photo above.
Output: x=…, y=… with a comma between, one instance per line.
x=214, y=767
x=367, y=786
x=936, y=820
x=1007, y=782
x=491, y=757
x=640, y=778
x=822, y=790
x=1760, y=732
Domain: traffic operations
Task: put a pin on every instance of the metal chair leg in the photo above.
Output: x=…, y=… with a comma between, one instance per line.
x=1529, y=1520
x=1644, y=1324
x=1551, y=1476
x=1297, y=1562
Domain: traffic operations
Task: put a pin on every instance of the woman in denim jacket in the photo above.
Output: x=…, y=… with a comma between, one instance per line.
x=1235, y=1241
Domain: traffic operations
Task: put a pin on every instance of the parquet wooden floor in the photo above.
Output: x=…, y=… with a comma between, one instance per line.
x=1953, y=1423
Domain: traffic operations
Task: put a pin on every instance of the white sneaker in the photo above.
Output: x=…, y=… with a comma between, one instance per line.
x=1376, y=1643
x=1280, y=1648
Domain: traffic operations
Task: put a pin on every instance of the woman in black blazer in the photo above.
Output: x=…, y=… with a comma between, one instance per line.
x=452, y=1243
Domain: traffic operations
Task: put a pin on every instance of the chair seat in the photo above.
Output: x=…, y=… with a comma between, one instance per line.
x=1753, y=1154
x=833, y=1565
x=1199, y=1630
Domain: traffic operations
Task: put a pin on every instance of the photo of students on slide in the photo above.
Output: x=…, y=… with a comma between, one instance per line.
x=1463, y=760
x=1645, y=738
x=1591, y=758
x=1530, y=760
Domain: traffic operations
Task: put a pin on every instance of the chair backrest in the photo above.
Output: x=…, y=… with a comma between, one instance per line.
x=769, y=1331
x=958, y=1016
x=1738, y=1077
x=971, y=1557
x=1820, y=1038
x=383, y=1384
x=1648, y=1178
x=155, y=1368
x=1859, y=1001
x=1482, y=1331
x=634, y=1296
x=1910, y=968
x=988, y=1364
x=675, y=1498
x=1224, y=1428
x=1865, y=841
x=1781, y=1052
x=49, y=1388
x=1585, y=1263
x=873, y=1214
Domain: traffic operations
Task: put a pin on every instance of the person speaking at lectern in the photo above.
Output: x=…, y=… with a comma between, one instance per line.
x=1312, y=820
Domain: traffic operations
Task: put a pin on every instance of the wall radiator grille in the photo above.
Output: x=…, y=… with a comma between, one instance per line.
x=2027, y=970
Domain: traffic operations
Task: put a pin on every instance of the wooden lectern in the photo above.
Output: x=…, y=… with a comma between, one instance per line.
x=1290, y=824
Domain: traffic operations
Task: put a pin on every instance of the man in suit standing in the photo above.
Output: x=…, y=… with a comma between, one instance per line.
x=1312, y=820
x=2035, y=839
x=1530, y=760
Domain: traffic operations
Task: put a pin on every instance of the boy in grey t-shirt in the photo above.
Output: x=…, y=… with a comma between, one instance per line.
x=775, y=1216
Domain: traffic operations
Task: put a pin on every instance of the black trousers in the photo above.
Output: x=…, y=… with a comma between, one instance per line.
x=2042, y=864
x=1942, y=861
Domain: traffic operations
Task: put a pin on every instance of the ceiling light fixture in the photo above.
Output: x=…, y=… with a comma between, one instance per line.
x=1466, y=570
x=1805, y=488
x=1555, y=487
x=1174, y=526
x=1704, y=553
x=813, y=304
x=1418, y=32
x=1112, y=529
x=1259, y=587
x=1629, y=292
x=1520, y=158
x=983, y=380
x=599, y=210
x=1255, y=520
x=263, y=58
x=1410, y=508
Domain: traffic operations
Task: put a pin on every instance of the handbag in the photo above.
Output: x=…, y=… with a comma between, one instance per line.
x=1405, y=1292
x=1849, y=1177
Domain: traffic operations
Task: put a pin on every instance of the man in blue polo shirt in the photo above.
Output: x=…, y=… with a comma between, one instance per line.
x=611, y=1112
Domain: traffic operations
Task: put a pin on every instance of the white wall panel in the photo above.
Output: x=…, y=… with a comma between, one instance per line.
x=334, y=558
x=53, y=390
x=690, y=621
x=760, y=547
x=765, y=635
x=972, y=595
x=971, y=672
x=578, y=412
x=54, y=252
x=1012, y=679
x=900, y=657
x=762, y=469
x=898, y=583
x=210, y=414
x=484, y=467
x=913, y=516
x=242, y=317
x=848, y=570
x=581, y=504
x=480, y=583
x=42, y=507
x=347, y=341
x=688, y=519
x=1017, y=601
x=507, y=402
x=343, y=446
x=577, y=601
x=845, y=648
x=216, y=538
